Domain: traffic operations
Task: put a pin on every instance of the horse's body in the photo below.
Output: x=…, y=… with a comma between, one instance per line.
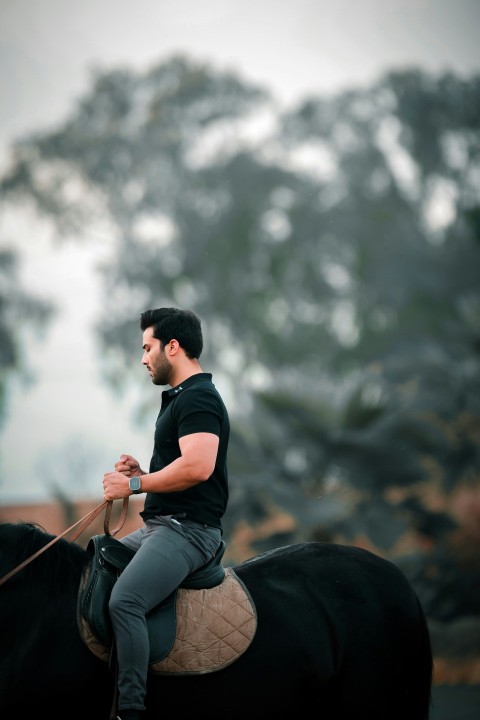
x=340, y=635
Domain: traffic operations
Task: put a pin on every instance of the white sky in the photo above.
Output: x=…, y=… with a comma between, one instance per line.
x=47, y=51
x=48, y=47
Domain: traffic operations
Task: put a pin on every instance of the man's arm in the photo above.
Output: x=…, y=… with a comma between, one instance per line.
x=195, y=465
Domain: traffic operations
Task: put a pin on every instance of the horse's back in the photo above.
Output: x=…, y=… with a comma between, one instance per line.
x=355, y=619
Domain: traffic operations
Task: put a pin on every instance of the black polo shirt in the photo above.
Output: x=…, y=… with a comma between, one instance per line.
x=193, y=406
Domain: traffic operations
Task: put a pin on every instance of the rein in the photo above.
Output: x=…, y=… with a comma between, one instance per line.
x=83, y=523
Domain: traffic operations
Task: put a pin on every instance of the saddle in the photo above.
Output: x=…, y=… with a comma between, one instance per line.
x=204, y=625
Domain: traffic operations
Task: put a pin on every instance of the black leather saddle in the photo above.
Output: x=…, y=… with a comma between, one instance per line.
x=108, y=558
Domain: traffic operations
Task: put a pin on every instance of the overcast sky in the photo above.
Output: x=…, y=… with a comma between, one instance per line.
x=48, y=49
x=295, y=47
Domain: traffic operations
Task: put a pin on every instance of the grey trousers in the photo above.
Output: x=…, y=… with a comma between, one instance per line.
x=167, y=550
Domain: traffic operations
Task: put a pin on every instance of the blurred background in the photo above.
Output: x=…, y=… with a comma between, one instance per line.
x=305, y=175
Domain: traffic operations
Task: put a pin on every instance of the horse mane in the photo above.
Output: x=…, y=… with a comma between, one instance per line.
x=60, y=565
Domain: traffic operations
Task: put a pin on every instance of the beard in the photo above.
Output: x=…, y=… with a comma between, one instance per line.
x=162, y=372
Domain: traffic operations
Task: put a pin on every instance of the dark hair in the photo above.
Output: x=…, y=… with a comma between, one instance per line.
x=182, y=325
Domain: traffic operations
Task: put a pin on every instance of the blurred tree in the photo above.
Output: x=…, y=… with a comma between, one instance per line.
x=334, y=254
x=20, y=312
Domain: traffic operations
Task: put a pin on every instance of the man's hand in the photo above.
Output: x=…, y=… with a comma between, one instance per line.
x=128, y=466
x=115, y=486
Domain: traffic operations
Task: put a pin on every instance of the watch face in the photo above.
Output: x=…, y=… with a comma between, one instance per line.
x=134, y=484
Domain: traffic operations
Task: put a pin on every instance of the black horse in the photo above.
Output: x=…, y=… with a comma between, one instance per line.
x=340, y=635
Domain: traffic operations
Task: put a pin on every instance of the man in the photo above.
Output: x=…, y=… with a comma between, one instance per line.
x=186, y=490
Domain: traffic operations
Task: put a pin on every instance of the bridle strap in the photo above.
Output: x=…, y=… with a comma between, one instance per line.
x=83, y=523
x=121, y=520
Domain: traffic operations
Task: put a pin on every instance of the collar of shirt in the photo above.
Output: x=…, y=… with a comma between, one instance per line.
x=174, y=391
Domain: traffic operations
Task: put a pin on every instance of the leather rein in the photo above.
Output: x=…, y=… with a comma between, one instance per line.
x=83, y=523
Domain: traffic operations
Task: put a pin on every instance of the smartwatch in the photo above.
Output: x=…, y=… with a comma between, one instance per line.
x=135, y=485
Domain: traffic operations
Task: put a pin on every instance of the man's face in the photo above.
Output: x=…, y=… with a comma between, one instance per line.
x=155, y=360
